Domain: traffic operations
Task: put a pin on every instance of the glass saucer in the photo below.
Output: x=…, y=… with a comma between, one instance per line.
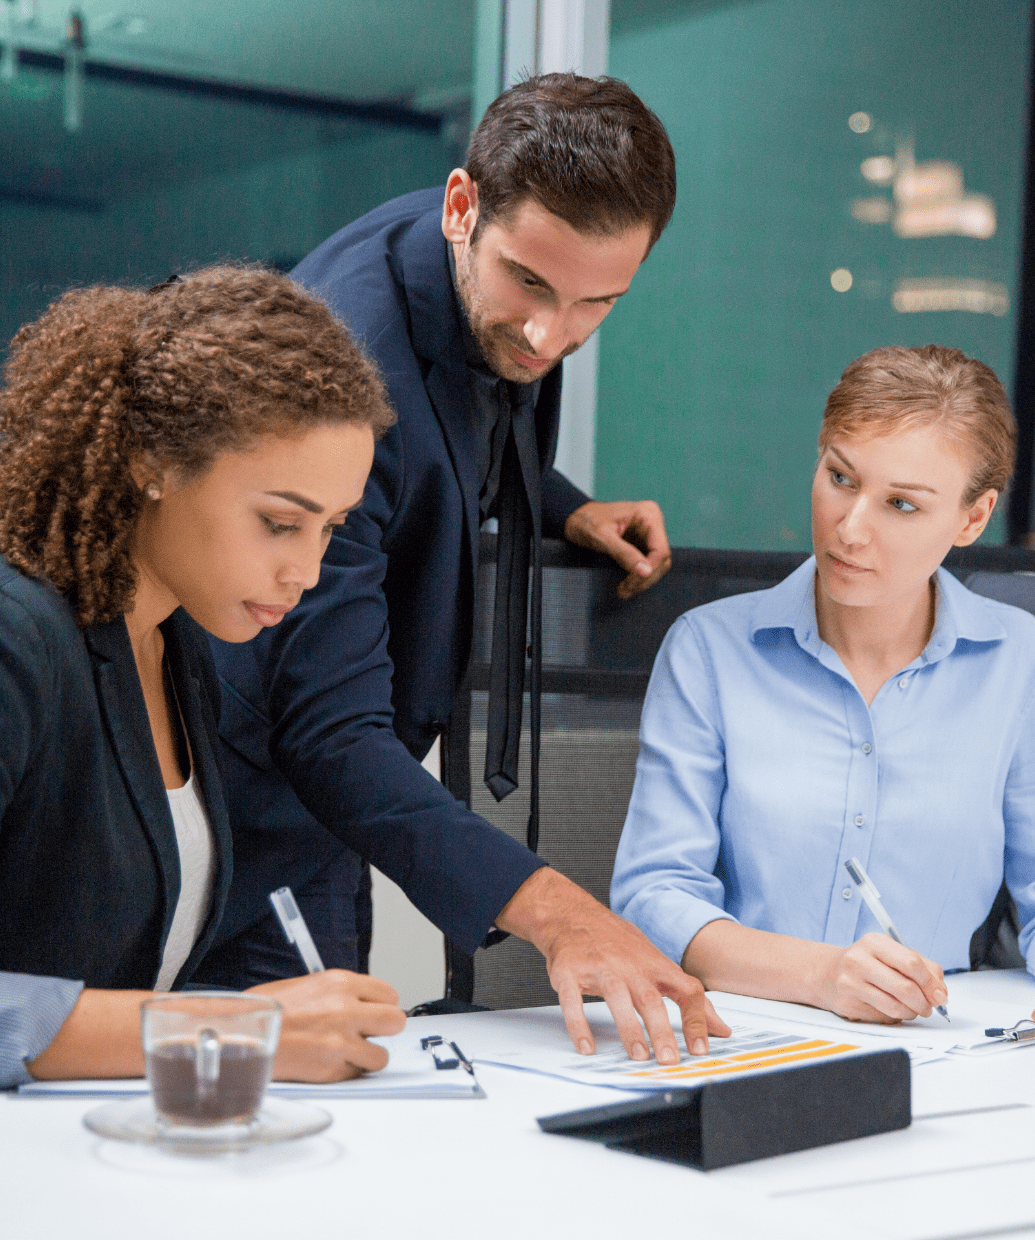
x=135, y=1119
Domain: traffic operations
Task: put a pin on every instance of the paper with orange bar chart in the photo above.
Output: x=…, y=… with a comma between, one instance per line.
x=749, y=1050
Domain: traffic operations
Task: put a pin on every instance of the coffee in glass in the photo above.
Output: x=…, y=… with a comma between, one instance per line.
x=208, y=1055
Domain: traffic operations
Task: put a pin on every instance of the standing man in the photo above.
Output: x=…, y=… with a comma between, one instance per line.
x=467, y=301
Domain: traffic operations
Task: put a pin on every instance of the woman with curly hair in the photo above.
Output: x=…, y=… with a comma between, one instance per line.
x=171, y=461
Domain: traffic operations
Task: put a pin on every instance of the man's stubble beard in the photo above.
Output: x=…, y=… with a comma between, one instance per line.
x=493, y=338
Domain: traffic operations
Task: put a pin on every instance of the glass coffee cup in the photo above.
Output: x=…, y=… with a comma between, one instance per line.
x=208, y=1056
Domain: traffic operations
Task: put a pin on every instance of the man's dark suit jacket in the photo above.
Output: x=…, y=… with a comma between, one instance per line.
x=89, y=868
x=326, y=715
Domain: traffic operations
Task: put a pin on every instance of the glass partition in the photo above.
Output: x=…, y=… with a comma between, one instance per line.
x=849, y=176
x=213, y=131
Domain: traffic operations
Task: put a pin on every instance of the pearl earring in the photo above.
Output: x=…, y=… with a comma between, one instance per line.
x=153, y=491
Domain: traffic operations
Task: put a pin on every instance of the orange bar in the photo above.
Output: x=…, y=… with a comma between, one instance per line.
x=726, y=1059
x=780, y=1050
x=820, y=1050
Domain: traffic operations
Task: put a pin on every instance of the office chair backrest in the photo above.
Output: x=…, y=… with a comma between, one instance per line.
x=1017, y=589
x=598, y=651
x=995, y=943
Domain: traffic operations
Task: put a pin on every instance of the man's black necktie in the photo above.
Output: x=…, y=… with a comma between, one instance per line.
x=519, y=510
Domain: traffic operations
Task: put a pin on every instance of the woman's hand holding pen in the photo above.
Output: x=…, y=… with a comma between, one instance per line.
x=879, y=980
x=328, y=1018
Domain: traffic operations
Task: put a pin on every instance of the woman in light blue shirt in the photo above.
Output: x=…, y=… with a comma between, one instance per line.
x=869, y=706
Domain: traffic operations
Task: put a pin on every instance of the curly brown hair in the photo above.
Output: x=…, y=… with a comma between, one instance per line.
x=174, y=377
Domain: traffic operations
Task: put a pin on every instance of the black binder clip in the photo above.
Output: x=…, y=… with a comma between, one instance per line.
x=436, y=1045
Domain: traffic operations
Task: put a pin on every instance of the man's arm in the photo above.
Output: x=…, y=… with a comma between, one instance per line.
x=328, y=686
x=325, y=680
x=332, y=738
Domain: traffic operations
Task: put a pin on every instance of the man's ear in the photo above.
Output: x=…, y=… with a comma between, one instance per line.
x=977, y=518
x=460, y=209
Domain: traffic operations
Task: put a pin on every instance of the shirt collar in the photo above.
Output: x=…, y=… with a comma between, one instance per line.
x=960, y=615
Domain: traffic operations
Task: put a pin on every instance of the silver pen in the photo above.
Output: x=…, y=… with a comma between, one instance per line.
x=872, y=897
x=295, y=929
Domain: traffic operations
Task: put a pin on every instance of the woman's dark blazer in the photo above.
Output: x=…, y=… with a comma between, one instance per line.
x=89, y=868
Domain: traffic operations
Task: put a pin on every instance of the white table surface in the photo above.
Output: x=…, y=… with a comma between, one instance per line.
x=482, y=1168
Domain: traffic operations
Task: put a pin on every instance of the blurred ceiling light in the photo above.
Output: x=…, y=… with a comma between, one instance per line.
x=974, y=296
x=929, y=198
x=860, y=122
x=873, y=210
x=841, y=280
x=936, y=180
x=972, y=215
x=878, y=169
x=930, y=201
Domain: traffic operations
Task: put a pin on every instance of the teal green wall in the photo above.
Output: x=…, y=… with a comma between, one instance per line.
x=715, y=367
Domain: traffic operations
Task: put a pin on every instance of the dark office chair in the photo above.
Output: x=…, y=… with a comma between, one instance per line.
x=1017, y=589
x=994, y=945
x=597, y=656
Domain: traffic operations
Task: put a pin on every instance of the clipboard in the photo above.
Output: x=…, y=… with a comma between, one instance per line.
x=437, y=1070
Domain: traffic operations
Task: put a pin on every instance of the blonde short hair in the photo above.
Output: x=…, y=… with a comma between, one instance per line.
x=894, y=387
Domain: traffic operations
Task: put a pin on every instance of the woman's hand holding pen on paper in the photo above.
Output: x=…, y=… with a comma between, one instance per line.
x=328, y=1015
x=879, y=980
x=328, y=1018
x=909, y=971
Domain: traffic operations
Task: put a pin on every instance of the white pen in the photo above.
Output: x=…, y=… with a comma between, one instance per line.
x=872, y=897
x=295, y=929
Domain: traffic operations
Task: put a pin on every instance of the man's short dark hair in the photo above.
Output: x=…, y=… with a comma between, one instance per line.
x=589, y=150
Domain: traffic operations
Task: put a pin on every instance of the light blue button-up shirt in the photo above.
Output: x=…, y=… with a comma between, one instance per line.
x=762, y=770
x=32, y=1010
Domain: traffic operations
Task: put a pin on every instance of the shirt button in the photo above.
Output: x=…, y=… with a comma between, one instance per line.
x=847, y=893
x=867, y=748
x=903, y=682
x=859, y=820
